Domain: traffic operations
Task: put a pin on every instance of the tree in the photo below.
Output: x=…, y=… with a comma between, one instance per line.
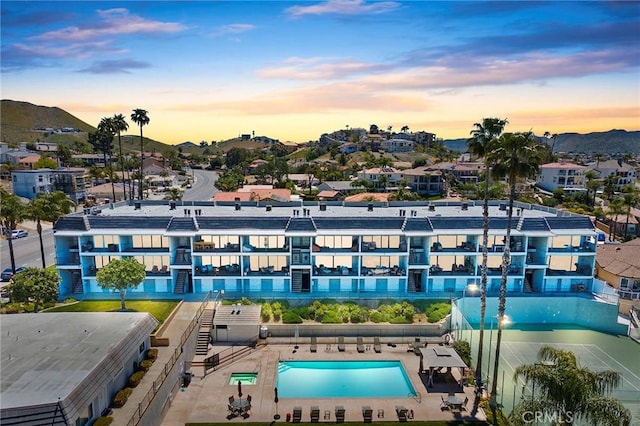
x=515, y=156
x=373, y=129
x=141, y=118
x=614, y=209
x=120, y=125
x=404, y=129
x=173, y=194
x=33, y=284
x=102, y=141
x=12, y=212
x=568, y=391
x=592, y=185
x=629, y=199
x=108, y=127
x=483, y=138
x=48, y=207
x=610, y=183
x=120, y=275
x=45, y=163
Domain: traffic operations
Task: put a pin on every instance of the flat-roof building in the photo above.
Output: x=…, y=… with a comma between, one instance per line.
x=65, y=368
x=327, y=249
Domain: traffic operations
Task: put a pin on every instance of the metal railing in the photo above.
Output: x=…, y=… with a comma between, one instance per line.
x=159, y=381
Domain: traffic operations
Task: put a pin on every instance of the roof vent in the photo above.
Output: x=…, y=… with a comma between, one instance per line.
x=237, y=206
x=323, y=207
x=465, y=206
x=268, y=207
x=370, y=207
x=236, y=199
x=172, y=205
x=414, y=213
x=238, y=312
x=136, y=205
x=87, y=211
x=432, y=208
x=503, y=207
x=403, y=212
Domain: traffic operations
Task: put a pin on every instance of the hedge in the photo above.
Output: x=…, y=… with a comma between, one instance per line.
x=152, y=354
x=135, y=378
x=146, y=365
x=121, y=397
x=103, y=421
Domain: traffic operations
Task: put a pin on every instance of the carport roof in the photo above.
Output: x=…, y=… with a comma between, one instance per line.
x=434, y=356
x=237, y=315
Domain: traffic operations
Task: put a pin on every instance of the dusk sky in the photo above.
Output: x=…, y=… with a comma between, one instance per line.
x=210, y=70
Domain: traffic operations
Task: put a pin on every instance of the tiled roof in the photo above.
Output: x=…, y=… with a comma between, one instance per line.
x=70, y=223
x=620, y=259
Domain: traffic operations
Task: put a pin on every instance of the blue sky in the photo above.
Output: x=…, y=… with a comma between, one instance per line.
x=210, y=70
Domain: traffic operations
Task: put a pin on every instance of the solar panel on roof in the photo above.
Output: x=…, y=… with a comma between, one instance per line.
x=574, y=222
x=182, y=224
x=359, y=222
x=416, y=224
x=70, y=223
x=128, y=222
x=534, y=224
x=242, y=222
x=301, y=224
x=456, y=222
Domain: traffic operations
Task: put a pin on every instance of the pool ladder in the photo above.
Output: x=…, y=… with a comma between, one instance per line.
x=417, y=397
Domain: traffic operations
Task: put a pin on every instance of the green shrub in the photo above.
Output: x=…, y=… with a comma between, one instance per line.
x=69, y=300
x=10, y=308
x=48, y=305
x=121, y=397
x=103, y=421
x=463, y=348
x=438, y=311
x=290, y=317
x=303, y=311
x=331, y=318
x=265, y=312
x=152, y=354
x=377, y=317
x=135, y=378
x=146, y=365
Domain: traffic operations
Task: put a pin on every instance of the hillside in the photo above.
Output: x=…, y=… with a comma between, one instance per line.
x=611, y=142
x=18, y=121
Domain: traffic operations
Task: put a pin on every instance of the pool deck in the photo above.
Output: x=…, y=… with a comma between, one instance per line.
x=206, y=398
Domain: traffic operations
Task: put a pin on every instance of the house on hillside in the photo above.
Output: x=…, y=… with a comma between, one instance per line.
x=397, y=145
x=625, y=172
x=381, y=177
x=424, y=181
x=619, y=266
x=29, y=183
x=561, y=175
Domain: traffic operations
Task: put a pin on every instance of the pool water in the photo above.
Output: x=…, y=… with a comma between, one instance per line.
x=343, y=379
x=244, y=378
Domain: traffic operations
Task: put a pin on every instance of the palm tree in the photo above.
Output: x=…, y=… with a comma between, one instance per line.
x=592, y=185
x=12, y=212
x=515, y=156
x=48, y=207
x=615, y=208
x=483, y=137
x=404, y=129
x=610, y=183
x=560, y=387
x=120, y=125
x=629, y=199
x=107, y=127
x=141, y=118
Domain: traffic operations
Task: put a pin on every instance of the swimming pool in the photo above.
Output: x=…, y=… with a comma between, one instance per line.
x=343, y=379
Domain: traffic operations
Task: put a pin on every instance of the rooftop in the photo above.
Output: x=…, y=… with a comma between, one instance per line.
x=365, y=216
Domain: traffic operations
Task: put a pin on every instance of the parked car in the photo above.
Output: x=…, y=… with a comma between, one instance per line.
x=7, y=274
x=18, y=233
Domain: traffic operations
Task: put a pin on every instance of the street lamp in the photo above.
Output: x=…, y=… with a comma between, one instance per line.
x=505, y=320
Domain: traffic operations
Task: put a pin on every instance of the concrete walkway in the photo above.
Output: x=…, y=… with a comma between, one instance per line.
x=173, y=331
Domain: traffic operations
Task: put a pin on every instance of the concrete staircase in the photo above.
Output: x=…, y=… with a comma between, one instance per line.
x=202, y=345
x=181, y=281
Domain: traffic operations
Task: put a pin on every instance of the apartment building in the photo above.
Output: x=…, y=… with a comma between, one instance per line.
x=566, y=176
x=332, y=249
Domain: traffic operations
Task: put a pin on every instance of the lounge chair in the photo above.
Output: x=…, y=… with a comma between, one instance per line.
x=444, y=405
x=367, y=414
x=360, y=345
x=314, y=344
x=376, y=345
x=416, y=345
x=465, y=402
x=401, y=412
x=315, y=414
x=297, y=414
x=341, y=344
x=339, y=414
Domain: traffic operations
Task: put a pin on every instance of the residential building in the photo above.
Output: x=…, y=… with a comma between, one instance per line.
x=382, y=177
x=331, y=249
x=566, y=176
x=29, y=183
x=65, y=368
x=464, y=172
x=625, y=172
x=619, y=266
x=424, y=180
x=397, y=145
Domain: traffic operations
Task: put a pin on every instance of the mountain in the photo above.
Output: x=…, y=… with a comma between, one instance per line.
x=26, y=122
x=611, y=142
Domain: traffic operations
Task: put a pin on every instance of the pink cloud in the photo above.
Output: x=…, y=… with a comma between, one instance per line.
x=343, y=7
x=113, y=22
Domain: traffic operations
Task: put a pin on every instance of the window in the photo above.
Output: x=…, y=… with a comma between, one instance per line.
x=141, y=348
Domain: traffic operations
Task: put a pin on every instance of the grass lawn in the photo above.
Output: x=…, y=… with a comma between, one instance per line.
x=160, y=309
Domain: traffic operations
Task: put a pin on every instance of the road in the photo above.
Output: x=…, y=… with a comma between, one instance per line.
x=203, y=188
x=27, y=250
